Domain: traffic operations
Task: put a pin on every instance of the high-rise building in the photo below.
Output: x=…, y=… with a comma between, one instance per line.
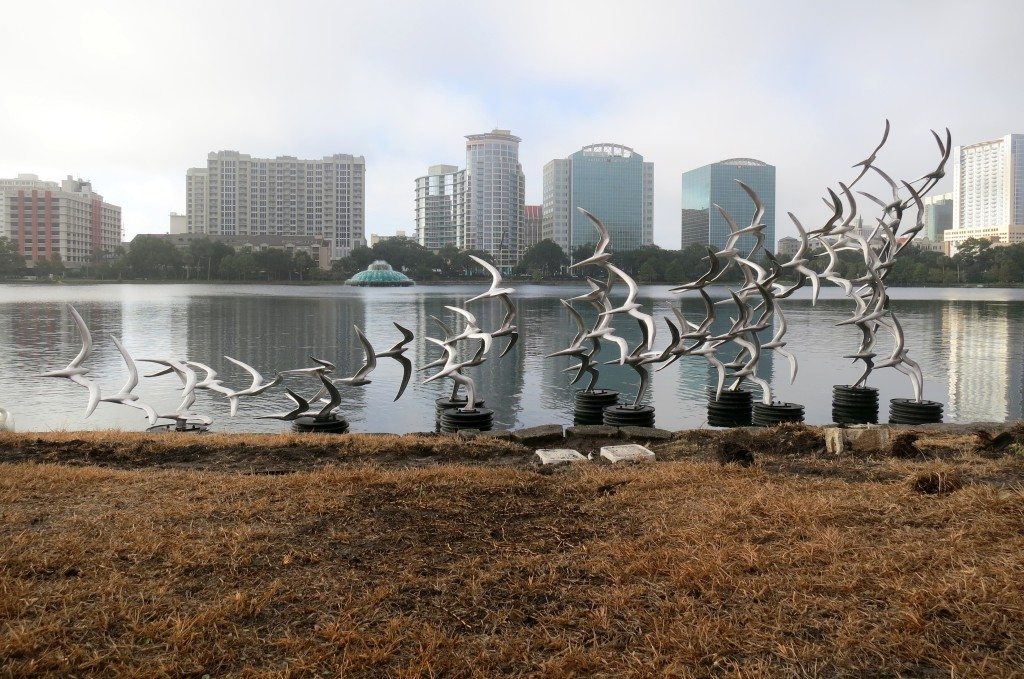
x=611, y=181
x=479, y=208
x=532, y=225
x=236, y=194
x=988, y=191
x=440, y=206
x=715, y=184
x=938, y=215
x=496, y=195
x=68, y=219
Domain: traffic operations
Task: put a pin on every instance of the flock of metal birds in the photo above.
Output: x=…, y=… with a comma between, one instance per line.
x=324, y=404
x=761, y=281
x=757, y=302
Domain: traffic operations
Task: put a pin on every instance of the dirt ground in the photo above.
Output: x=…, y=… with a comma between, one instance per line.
x=124, y=555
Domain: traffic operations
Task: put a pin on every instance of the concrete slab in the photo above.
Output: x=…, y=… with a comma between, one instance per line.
x=504, y=434
x=646, y=433
x=559, y=456
x=593, y=431
x=541, y=434
x=629, y=452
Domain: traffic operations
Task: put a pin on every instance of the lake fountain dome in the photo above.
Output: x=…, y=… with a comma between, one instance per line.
x=380, y=275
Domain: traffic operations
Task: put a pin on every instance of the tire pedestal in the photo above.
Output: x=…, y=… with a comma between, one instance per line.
x=310, y=424
x=854, y=405
x=629, y=416
x=453, y=419
x=588, y=406
x=909, y=411
x=732, y=409
x=443, y=404
x=771, y=414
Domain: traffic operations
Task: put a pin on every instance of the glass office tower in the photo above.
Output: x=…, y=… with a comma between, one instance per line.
x=938, y=216
x=715, y=184
x=611, y=181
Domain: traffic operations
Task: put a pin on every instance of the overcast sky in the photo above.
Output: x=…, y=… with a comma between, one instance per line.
x=131, y=94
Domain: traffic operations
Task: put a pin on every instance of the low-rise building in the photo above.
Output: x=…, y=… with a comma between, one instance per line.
x=997, y=235
x=378, y=238
x=787, y=246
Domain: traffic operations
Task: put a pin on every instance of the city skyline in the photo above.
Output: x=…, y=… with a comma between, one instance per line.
x=146, y=99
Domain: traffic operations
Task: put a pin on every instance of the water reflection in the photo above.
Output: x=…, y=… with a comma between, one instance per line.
x=967, y=350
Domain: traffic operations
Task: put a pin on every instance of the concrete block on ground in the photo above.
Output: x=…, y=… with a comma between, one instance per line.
x=559, y=456
x=629, y=452
x=468, y=433
x=646, y=433
x=541, y=434
x=858, y=439
x=503, y=434
x=592, y=430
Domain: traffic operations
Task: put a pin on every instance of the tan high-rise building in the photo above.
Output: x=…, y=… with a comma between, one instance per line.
x=238, y=195
x=532, y=225
x=68, y=219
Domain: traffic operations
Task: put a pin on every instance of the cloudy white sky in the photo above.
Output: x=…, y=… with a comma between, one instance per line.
x=131, y=94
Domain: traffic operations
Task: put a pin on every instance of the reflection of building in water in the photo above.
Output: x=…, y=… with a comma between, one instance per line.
x=985, y=367
x=499, y=380
x=273, y=334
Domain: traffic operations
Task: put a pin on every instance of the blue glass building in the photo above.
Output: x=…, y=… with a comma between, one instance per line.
x=611, y=181
x=715, y=184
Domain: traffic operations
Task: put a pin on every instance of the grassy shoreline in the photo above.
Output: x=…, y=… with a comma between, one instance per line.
x=436, y=556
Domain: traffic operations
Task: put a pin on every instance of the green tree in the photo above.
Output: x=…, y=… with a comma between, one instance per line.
x=205, y=256
x=275, y=264
x=239, y=266
x=303, y=264
x=52, y=267
x=547, y=257
x=152, y=257
x=12, y=262
x=648, y=274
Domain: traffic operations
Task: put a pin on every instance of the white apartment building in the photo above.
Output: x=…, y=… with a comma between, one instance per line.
x=68, y=219
x=495, y=197
x=440, y=206
x=238, y=195
x=988, y=192
x=479, y=208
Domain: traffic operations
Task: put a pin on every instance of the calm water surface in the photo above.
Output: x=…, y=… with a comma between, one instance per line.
x=968, y=343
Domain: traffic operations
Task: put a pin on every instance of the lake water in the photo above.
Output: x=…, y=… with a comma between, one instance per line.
x=968, y=342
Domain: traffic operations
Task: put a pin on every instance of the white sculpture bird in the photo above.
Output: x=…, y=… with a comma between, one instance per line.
x=600, y=257
x=74, y=370
x=125, y=395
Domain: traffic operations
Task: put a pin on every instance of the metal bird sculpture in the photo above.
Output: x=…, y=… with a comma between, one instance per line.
x=74, y=370
x=397, y=353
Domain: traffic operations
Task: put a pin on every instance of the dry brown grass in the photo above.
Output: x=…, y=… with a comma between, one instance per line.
x=261, y=453
x=673, y=569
